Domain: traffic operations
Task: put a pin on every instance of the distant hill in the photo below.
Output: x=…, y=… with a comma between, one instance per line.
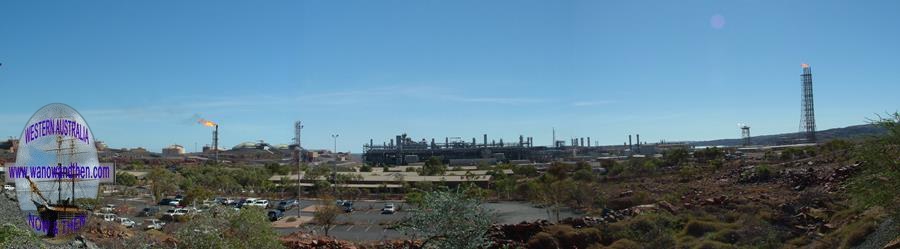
x=849, y=133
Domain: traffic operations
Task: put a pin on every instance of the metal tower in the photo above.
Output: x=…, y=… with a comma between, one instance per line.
x=745, y=134
x=808, y=115
x=297, y=127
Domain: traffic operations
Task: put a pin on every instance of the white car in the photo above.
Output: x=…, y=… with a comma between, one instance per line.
x=253, y=202
x=126, y=222
x=389, y=208
x=8, y=187
x=155, y=224
x=109, y=217
x=261, y=203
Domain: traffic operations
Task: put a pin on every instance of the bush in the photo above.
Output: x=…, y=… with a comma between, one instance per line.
x=653, y=230
x=542, y=240
x=764, y=173
x=567, y=237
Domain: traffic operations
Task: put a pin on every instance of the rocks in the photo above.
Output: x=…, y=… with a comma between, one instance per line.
x=834, y=181
x=716, y=201
x=301, y=240
x=518, y=232
x=799, y=179
x=894, y=244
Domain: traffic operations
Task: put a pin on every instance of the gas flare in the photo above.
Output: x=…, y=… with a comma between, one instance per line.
x=207, y=122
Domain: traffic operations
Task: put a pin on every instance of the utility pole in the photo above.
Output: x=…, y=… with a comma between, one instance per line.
x=334, y=168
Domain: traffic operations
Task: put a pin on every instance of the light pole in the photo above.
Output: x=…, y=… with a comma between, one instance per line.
x=334, y=168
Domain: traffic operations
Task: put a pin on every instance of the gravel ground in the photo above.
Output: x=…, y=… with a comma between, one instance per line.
x=11, y=214
x=887, y=231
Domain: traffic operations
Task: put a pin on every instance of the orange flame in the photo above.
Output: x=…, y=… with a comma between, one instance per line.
x=206, y=122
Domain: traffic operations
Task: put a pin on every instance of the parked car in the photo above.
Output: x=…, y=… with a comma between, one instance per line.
x=155, y=224
x=126, y=222
x=8, y=187
x=347, y=206
x=225, y=201
x=254, y=202
x=389, y=208
x=169, y=202
x=149, y=211
x=246, y=202
x=287, y=204
x=109, y=217
x=262, y=203
x=275, y=215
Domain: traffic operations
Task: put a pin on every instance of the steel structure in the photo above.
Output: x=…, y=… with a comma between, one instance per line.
x=808, y=115
x=745, y=134
x=298, y=126
x=397, y=151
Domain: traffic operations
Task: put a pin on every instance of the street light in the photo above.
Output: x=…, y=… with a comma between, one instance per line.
x=334, y=168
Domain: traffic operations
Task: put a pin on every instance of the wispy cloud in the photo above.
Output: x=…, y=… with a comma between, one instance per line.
x=592, y=103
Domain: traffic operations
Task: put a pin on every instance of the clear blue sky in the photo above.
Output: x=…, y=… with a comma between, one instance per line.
x=139, y=71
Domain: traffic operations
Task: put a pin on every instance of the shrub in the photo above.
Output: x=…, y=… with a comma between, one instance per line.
x=542, y=240
x=764, y=173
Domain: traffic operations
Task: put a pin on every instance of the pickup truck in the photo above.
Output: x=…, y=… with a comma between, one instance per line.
x=155, y=224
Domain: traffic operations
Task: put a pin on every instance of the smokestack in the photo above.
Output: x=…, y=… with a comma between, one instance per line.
x=432, y=143
x=629, y=141
x=371, y=142
x=392, y=143
x=638, y=143
x=582, y=142
x=216, y=142
x=447, y=142
x=485, y=140
x=554, y=137
x=589, y=141
x=473, y=142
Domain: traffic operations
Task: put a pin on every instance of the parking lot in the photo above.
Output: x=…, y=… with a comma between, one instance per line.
x=366, y=222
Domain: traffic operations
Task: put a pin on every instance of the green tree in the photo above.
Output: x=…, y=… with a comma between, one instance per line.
x=449, y=220
x=878, y=183
x=197, y=194
x=559, y=170
x=415, y=198
x=204, y=231
x=126, y=179
x=326, y=214
x=550, y=192
x=250, y=229
x=676, y=156
x=584, y=175
x=163, y=182
x=525, y=170
x=223, y=227
x=434, y=166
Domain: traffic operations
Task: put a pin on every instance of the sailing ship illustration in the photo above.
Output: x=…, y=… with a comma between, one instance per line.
x=50, y=212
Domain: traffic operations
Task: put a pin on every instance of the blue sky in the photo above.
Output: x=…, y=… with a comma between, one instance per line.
x=139, y=72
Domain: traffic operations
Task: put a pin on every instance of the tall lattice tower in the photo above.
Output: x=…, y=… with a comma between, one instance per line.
x=298, y=126
x=745, y=134
x=808, y=116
